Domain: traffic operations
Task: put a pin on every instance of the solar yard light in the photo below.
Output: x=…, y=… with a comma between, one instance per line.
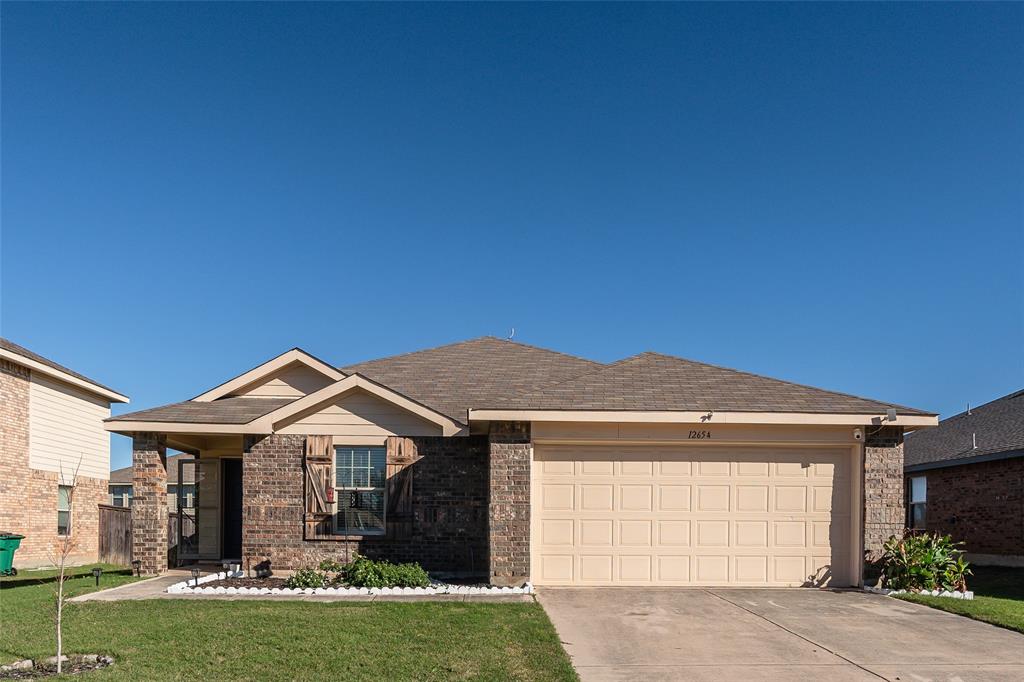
x=195, y=575
x=137, y=565
x=96, y=573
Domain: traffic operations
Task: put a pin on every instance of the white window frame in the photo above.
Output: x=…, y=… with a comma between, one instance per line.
x=123, y=499
x=912, y=502
x=343, y=490
x=69, y=529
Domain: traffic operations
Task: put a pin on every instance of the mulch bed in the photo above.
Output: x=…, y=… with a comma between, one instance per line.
x=73, y=666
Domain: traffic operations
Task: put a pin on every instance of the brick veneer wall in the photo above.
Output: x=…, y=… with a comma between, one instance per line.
x=149, y=502
x=509, y=504
x=980, y=504
x=884, y=513
x=28, y=497
x=449, y=503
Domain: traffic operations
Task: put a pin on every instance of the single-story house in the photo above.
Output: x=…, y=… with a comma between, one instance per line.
x=499, y=458
x=178, y=467
x=51, y=425
x=966, y=479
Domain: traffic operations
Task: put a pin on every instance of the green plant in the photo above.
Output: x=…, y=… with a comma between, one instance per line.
x=926, y=561
x=306, y=577
x=330, y=566
x=363, y=572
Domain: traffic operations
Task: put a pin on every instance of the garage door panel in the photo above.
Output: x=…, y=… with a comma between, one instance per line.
x=635, y=533
x=674, y=533
x=644, y=516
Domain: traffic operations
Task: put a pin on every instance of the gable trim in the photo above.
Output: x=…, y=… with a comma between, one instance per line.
x=273, y=420
x=95, y=389
x=268, y=368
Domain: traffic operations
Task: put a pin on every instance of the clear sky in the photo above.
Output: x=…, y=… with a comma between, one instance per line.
x=830, y=194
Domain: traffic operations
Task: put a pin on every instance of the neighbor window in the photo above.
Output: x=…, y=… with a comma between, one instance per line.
x=120, y=495
x=63, y=510
x=917, y=494
x=189, y=493
x=359, y=474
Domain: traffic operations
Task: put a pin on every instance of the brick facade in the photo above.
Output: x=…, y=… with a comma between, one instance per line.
x=149, y=503
x=28, y=497
x=449, y=503
x=509, y=503
x=884, y=513
x=979, y=504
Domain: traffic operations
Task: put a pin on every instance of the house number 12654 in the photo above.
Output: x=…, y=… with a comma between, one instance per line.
x=700, y=435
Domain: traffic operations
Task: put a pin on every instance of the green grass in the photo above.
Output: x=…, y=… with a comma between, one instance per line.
x=190, y=639
x=998, y=597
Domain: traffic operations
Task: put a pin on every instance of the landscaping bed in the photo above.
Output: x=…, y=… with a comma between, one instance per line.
x=998, y=598
x=28, y=669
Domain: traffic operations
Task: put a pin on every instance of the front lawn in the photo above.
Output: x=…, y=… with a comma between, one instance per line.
x=236, y=640
x=998, y=597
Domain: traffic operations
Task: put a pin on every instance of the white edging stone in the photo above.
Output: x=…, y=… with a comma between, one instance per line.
x=192, y=586
x=928, y=593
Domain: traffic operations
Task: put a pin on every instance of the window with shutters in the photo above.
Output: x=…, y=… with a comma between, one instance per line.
x=360, y=473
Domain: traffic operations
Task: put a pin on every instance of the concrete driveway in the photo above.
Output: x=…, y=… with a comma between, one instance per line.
x=753, y=634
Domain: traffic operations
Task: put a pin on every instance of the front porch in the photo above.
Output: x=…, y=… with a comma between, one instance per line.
x=255, y=503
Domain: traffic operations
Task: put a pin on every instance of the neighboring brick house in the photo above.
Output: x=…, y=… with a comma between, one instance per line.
x=51, y=423
x=966, y=478
x=120, y=487
x=502, y=459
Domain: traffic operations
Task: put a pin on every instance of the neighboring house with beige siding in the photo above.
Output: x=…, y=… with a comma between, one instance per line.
x=51, y=424
x=517, y=463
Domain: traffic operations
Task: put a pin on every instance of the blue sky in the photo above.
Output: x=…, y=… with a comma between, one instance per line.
x=830, y=194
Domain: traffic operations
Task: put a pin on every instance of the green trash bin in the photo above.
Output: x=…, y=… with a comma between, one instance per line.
x=8, y=543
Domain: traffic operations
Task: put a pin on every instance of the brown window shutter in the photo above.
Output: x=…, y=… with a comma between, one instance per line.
x=318, y=462
x=401, y=455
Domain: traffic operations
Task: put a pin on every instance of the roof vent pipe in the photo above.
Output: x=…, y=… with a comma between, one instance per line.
x=974, y=441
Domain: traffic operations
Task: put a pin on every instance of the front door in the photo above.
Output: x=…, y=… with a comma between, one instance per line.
x=231, y=495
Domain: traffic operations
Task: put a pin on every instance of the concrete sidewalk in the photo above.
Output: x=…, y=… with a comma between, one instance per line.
x=156, y=588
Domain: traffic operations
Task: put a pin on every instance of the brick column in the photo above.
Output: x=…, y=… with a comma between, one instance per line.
x=149, y=502
x=273, y=502
x=509, y=503
x=884, y=513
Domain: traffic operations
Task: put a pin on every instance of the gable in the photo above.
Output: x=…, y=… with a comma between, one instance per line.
x=292, y=381
x=359, y=413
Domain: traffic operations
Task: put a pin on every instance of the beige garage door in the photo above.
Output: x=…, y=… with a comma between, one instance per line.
x=613, y=515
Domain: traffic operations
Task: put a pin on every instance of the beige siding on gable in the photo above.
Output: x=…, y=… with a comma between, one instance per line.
x=293, y=381
x=65, y=426
x=361, y=414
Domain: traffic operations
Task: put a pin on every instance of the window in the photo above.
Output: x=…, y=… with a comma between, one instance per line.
x=120, y=495
x=917, y=494
x=359, y=474
x=188, y=491
x=63, y=510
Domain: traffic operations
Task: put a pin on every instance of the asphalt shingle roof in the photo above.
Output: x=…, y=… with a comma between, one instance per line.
x=493, y=373
x=12, y=347
x=454, y=378
x=240, y=410
x=998, y=427
x=656, y=382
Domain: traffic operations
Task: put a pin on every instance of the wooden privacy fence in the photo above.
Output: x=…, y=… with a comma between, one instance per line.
x=116, y=534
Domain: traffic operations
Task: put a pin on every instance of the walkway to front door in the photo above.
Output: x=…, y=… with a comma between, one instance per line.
x=772, y=634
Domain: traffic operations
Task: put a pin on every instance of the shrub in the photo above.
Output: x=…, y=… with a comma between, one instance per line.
x=363, y=572
x=330, y=566
x=306, y=577
x=926, y=561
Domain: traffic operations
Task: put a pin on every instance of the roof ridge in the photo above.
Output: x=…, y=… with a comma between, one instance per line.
x=413, y=352
x=485, y=337
x=975, y=408
x=785, y=381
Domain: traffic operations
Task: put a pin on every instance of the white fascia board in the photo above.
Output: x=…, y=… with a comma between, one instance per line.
x=668, y=417
x=35, y=366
